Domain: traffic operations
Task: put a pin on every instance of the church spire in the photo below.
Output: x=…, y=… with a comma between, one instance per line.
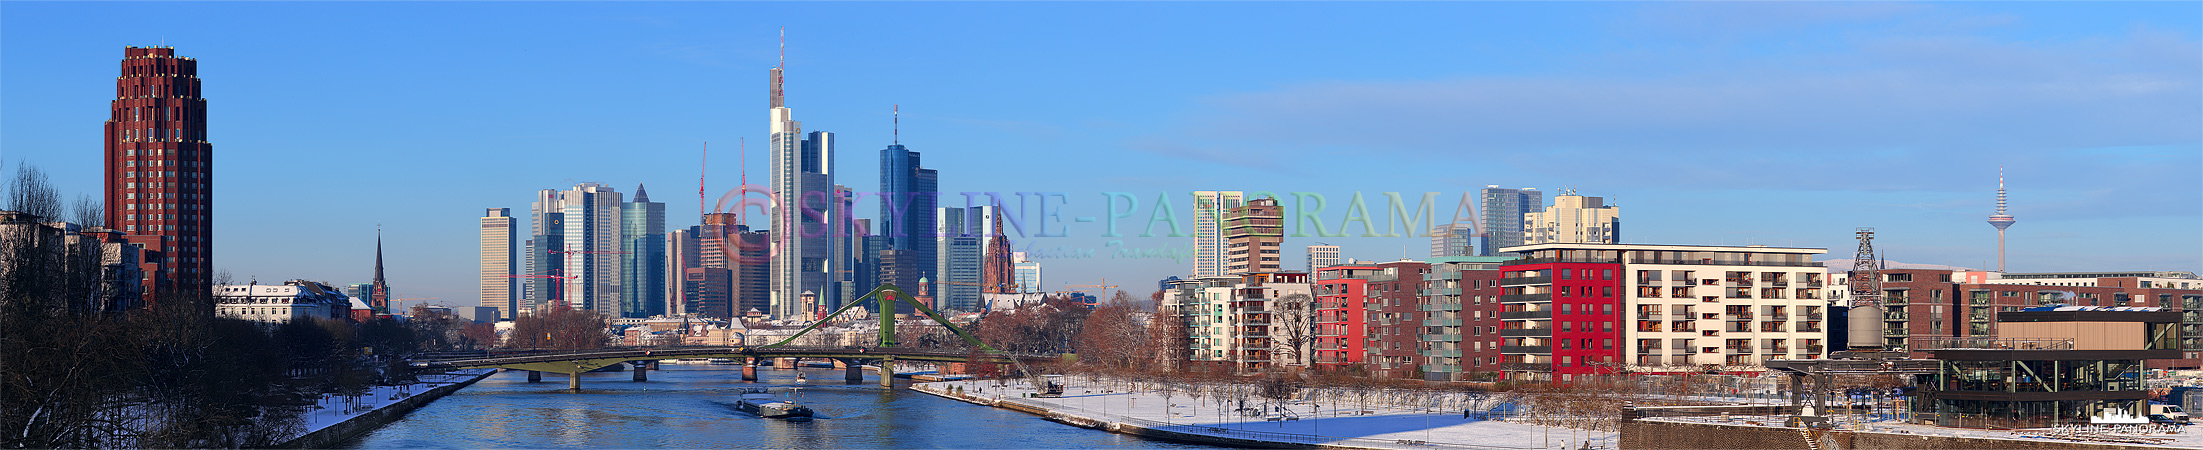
x=380, y=299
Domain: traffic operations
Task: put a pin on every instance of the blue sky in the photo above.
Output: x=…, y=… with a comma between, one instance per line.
x=1707, y=122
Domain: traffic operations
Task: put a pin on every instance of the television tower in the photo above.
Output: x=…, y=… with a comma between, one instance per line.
x=2000, y=220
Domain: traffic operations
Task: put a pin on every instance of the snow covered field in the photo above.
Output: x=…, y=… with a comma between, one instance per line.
x=1344, y=425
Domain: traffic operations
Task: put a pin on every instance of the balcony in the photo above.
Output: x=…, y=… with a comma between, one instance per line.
x=1526, y=314
x=1440, y=291
x=1654, y=351
x=1532, y=349
x=1526, y=367
x=1437, y=307
x=1526, y=281
x=1442, y=353
x=1815, y=349
x=1814, y=316
x=1441, y=338
x=1738, y=350
x=1441, y=322
x=1683, y=316
x=1740, y=317
x=1520, y=298
x=1525, y=332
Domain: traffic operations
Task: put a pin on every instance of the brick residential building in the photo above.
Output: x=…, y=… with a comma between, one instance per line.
x=1369, y=317
x=1460, y=308
x=159, y=167
x=1948, y=303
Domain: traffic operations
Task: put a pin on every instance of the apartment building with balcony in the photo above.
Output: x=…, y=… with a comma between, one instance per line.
x=1578, y=309
x=1460, y=307
x=1246, y=320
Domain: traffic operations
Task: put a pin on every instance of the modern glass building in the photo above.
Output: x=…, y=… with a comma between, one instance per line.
x=643, y=257
x=1503, y=210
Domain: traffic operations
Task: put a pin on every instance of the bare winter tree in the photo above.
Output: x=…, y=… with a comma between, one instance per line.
x=88, y=211
x=1295, y=320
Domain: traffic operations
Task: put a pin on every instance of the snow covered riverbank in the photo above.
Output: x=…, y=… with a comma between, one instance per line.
x=338, y=417
x=1304, y=423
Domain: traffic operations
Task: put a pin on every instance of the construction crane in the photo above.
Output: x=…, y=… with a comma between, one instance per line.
x=1103, y=286
x=565, y=259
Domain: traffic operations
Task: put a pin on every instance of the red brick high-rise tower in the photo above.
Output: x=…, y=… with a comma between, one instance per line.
x=160, y=166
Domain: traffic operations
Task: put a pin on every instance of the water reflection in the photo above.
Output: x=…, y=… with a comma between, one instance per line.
x=692, y=406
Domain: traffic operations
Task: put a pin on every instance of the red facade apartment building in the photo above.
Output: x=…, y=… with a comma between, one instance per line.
x=1369, y=316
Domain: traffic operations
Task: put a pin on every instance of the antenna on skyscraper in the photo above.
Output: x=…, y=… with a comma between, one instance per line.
x=701, y=170
x=898, y=124
x=783, y=48
x=743, y=215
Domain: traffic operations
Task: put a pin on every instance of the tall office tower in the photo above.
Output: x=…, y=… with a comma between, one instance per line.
x=864, y=261
x=642, y=261
x=2000, y=220
x=803, y=177
x=546, y=233
x=1208, y=232
x=160, y=168
x=1502, y=218
x=1574, y=219
x=1028, y=273
x=1252, y=234
x=583, y=242
x=497, y=262
x=707, y=283
x=1321, y=256
x=380, y=298
x=752, y=276
x=722, y=265
x=909, y=194
x=1453, y=239
x=997, y=272
x=842, y=267
x=956, y=274
x=678, y=253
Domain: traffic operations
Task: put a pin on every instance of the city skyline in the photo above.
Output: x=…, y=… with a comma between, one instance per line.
x=1135, y=115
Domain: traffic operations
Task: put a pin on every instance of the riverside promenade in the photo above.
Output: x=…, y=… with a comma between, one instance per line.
x=1306, y=424
x=333, y=419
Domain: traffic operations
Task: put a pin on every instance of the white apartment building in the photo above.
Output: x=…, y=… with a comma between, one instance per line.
x=1237, y=319
x=1321, y=256
x=275, y=304
x=1573, y=219
x=1666, y=308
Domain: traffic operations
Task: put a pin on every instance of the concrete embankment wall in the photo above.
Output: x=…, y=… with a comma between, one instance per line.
x=331, y=435
x=1111, y=426
x=1664, y=435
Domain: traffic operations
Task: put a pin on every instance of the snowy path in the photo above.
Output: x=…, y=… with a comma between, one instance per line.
x=1345, y=425
x=332, y=409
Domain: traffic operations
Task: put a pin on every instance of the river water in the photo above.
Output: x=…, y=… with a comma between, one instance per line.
x=692, y=406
